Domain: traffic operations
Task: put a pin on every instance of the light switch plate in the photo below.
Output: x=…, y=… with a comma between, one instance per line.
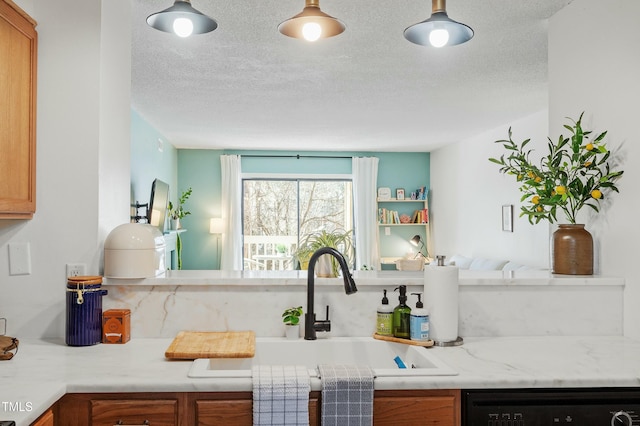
x=19, y=259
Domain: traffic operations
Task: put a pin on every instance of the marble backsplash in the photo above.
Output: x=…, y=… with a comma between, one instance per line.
x=487, y=306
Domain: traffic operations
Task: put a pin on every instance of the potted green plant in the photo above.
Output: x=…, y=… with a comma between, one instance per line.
x=291, y=320
x=327, y=265
x=575, y=173
x=176, y=213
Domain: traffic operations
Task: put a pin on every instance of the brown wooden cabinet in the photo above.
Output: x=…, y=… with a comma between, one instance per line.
x=160, y=412
x=102, y=409
x=417, y=407
x=405, y=407
x=18, y=66
x=47, y=419
x=233, y=409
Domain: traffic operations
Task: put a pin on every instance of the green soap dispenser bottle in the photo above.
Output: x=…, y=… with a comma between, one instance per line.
x=402, y=315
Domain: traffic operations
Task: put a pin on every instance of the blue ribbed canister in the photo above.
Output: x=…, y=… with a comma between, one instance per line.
x=84, y=310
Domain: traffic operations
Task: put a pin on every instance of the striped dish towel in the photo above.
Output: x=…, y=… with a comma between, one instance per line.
x=280, y=395
x=347, y=395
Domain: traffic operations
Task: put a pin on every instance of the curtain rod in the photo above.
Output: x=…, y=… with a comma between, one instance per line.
x=298, y=156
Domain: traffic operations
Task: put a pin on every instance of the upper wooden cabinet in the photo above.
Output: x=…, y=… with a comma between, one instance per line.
x=18, y=66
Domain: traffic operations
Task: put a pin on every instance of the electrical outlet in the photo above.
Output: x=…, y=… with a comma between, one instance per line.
x=75, y=269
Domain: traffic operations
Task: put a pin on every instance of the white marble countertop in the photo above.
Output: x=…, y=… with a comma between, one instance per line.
x=379, y=278
x=43, y=371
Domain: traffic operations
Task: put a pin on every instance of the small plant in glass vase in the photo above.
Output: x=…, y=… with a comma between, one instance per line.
x=291, y=319
x=176, y=213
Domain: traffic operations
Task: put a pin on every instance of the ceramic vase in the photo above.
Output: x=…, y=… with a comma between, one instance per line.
x=324, y=267
x=292, y=332
x=572, y=250
x=175, y=224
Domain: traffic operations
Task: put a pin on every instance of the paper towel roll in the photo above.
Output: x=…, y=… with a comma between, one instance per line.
x=441, y=299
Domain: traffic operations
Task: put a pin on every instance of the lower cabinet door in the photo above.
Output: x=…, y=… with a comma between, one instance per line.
x=134, y=412
x=425, y=408
x=234, y=409
x=231, y=413
x=46, y=419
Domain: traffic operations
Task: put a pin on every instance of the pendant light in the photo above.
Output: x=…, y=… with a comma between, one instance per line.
x=438, y=30
x=182, y=19
x=311, y=24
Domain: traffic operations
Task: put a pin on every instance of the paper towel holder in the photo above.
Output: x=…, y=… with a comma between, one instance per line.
x=458, y=342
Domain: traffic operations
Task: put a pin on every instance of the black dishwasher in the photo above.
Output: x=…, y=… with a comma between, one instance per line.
x=550, y=407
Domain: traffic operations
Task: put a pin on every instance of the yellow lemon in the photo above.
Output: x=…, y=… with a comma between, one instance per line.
x=596, y=193
x=539, y=208
x=561, y=190
x=535, y=199
x=587, y=163
x=589, y=147
x=519, y=177
x=530, y=174
x=538, y=179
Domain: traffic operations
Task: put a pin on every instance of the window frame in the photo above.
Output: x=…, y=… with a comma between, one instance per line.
x=297, y=177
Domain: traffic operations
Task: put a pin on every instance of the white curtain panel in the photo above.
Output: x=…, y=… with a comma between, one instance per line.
x=231, y=258
x=365, y=180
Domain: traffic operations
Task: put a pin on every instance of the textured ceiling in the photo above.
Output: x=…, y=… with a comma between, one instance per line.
x=246, y=86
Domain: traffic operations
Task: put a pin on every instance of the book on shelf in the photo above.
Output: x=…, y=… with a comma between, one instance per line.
x=420, y=216
x=392, y=217
x=421, y=193
x=388, y=217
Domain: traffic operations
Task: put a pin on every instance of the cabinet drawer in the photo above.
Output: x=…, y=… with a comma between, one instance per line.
x=213, y=413
x=134, y=412
x=437, y=408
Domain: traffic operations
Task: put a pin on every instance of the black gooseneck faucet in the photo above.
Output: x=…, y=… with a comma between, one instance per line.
x=310, y=323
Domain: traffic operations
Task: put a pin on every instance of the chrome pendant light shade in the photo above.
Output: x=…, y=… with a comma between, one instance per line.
x=439, y=30
x=311, y=24
x=182, y=19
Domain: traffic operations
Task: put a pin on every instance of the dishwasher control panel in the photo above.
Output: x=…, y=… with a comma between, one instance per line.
x=549, y=416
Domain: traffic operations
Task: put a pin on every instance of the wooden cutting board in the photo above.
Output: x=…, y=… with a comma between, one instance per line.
x=212, y=344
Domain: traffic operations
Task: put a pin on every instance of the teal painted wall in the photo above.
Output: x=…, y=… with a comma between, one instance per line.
x=200, y=170
x=148, y=162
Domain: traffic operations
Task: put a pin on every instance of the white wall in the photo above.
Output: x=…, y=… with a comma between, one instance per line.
x=80, y=134
x=468, y=193
x=594, y=67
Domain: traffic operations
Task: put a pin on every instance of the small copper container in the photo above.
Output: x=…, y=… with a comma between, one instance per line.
x=116, y=326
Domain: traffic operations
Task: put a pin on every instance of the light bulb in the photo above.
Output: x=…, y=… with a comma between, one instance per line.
x=311, y=31
x=183, y=27
x=439, y=37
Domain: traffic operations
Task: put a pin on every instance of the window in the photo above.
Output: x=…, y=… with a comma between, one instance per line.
x=279, y=213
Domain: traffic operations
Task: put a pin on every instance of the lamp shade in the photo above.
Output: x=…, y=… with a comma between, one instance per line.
x=182, y=19
x=415, y=240
x=439, y=30
x=311, y=24
x=216, y=226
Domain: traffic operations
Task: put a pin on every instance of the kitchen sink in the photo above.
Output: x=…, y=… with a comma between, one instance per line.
x=377, y=354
